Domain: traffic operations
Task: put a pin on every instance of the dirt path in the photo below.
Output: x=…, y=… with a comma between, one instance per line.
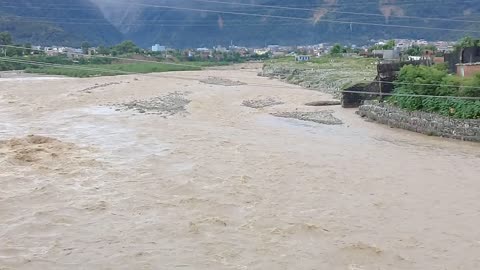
x=168, y=172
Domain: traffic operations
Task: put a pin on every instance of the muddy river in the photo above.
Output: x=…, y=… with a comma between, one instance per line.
x=211, y=170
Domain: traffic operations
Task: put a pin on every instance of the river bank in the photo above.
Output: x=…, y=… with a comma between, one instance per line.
x=326, y=74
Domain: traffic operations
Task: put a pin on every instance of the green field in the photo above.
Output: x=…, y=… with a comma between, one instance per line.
x=82, y=71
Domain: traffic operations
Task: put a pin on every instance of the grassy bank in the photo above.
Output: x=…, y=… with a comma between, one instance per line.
x=83, y=71
x=327, y=73
x=97, y=66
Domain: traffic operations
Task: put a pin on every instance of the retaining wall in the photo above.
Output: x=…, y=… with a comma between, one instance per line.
x=422, y=122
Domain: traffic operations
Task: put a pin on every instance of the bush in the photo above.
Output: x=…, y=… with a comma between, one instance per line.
x=5, y=66
x=472, y=87
x=436, y=82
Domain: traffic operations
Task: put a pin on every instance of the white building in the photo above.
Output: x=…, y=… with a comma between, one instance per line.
x=220, y=48
x=302, y=58
x=158, y=48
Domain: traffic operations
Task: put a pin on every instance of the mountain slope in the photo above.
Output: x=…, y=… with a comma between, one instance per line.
x=55, y=22
x=195, y=23
x=194, y=27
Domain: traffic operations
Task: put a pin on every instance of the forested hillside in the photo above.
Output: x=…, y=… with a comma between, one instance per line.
x=187, y=23
x=56, y=22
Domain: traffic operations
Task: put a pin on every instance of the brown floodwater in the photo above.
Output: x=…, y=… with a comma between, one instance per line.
x=221, y=185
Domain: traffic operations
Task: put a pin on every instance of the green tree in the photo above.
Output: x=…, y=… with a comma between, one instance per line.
x=472, y=88
x=431, y=47
x=28, y=48
x=102, y=50
x=85, y=47
x=336, y=49
x=415, y=50
x=5, y=39
x=16, y=50
x=467, y=42
x=390, y=45
x=127, y=47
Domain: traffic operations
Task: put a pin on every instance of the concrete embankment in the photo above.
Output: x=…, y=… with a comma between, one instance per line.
x=422, y=122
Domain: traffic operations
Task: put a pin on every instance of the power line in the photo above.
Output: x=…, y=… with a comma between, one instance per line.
x=7, y=59
x=93, y=19
x=229, y=22
x=330, y=11
x=226, y=24
x=305, y=19
x=296, y=18
x=374, y=2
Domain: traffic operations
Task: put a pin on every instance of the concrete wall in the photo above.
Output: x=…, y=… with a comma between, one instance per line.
x=426, y=123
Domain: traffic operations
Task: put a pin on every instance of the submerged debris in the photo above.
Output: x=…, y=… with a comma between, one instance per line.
x=321, y=117
x=261, y=103
x=168, y=105
x=324, y=103
x=89, y=89
x=221, y=81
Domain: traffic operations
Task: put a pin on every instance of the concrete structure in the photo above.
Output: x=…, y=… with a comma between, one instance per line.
x=302, y=58
x=261, y=51
x=273, y=48
x=158, y=48
x=220, y=48
x=353, y=97
x=468, y=70
x=465, y=56
x=470, y=55
x=387, y=54
x=438, y=60
x=414, y=58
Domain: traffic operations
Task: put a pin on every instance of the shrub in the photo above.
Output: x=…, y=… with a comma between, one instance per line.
x=436, y=82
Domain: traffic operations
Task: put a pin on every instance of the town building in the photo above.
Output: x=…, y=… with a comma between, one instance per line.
x=220, y=48
x=158, y=48
x=387, y=54
x=261, y=51
x=302, y=58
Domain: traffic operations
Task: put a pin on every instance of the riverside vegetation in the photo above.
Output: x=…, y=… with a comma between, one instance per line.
x=435, y=81
x=105, y=62
x=95, y=66
x=331, y=74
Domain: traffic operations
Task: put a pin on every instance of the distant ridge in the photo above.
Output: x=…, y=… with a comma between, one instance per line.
x=190, y=23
